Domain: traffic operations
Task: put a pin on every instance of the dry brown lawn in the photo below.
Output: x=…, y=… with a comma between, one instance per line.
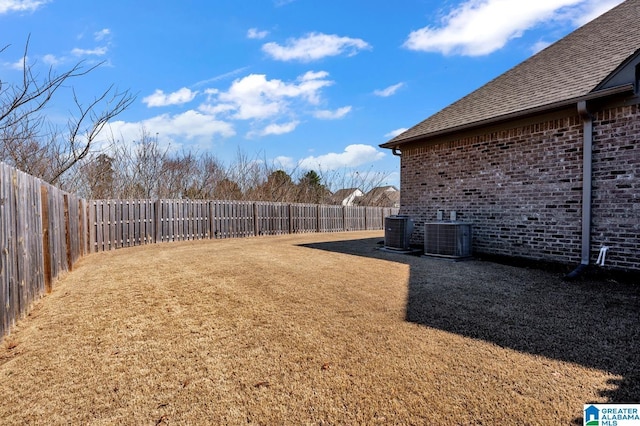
x=315, y=329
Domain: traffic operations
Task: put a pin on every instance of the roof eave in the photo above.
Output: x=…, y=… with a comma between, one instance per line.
x=514, y=115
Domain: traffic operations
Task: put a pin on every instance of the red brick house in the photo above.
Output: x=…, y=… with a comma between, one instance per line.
x=544, y=160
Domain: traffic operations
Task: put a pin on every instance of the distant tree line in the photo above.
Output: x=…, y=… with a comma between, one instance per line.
x=143, y=169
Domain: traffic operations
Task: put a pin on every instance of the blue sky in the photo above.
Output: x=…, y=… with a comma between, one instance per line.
x=303, y=84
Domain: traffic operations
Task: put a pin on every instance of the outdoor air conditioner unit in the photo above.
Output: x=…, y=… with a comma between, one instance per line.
x=447, y=239
x=397, y=232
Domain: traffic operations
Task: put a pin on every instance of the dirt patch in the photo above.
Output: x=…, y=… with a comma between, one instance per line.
x=315, y=329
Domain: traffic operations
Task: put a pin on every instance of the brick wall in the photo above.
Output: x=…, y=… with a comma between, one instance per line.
x=521, y=187
x=616, y=186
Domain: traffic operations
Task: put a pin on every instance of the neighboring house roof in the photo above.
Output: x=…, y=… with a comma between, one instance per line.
x=346, y=196
x=382, y=196
x=569, y=69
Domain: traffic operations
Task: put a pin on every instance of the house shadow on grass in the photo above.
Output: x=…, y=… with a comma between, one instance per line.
x=594, y=323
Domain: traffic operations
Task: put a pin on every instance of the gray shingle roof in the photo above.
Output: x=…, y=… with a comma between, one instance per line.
x=342, y=194
x=570, y=68
x=386, y=196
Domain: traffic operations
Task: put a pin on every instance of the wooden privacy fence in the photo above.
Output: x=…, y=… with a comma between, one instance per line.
x=115, y=224
x=43, y=232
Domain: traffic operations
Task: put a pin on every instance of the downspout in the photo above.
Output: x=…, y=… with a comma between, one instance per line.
x=395, y=151
x=587, y=147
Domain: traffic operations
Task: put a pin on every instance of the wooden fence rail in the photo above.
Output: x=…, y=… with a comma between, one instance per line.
x=44, y=231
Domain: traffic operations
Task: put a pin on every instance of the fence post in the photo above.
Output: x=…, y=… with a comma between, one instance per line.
x=255, y=219
x=93, y=227
x=81, y=230
x=157, y=218
x=365, y=218
x=212, y=224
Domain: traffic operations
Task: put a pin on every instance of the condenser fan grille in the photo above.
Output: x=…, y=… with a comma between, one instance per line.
x=444, y=239
x=397, y=232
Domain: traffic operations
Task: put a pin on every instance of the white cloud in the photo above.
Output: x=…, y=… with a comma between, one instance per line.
x=98, y=51
x=216, y=109
x=51, y=60
x=190, y=125
x=592, y=9
x=276, y=129
x=102, y=34
x=315, y=46
x=254, y=33
x=480, y=27
x=311, y=83
x=284, y=162
x=391, y=90
x=19, y=64
x=392, y=134
x=352, y=156
x=325, y=114
x=313, y=75
x=160, y=99
x=7, y=6
x=255, y=97
x=272, y=106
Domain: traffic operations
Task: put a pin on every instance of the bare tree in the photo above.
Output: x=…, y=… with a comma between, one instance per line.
x=25, y=133
x=227, y=190
x=101, y=177
x=87, y=125
x=207, y=176
x=277, y=187
x=176, y=176
x=20, y=147
x=139, y=166
x=248, y=173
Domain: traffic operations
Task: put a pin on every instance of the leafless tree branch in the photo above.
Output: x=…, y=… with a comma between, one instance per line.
x=25, y=134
